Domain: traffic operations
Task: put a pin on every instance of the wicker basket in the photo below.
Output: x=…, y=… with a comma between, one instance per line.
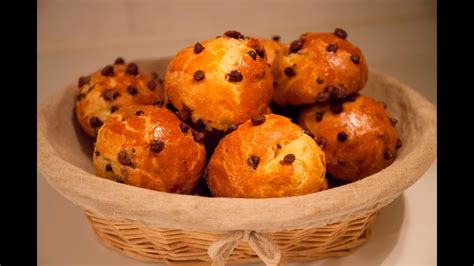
x=179, y=247
x=186, y=230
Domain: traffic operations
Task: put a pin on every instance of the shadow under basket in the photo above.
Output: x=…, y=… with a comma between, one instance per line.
x=193, y=230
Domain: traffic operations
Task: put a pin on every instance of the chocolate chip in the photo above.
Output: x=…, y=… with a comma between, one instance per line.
x=198, y=136
x=296, y=45
x=393, y=121
x=276, y=38
x=399, y=144
x=253, y=54
x=289, y=158
x=340, y=33
x=231, y=127
x=151, y=85
x=234, y=34
x=309, y=133
x=119, y=61
x=342, y=163
x=97, y=153
x=258, y=120
x=80, y=96
x=342, y=136
x=124, y=159
x=110, y=94
x=107, y=71
x=338, y=92
x=184, y=114
x=132, y=90
x=160, y=81
x=234, y=76
x=332, y=48
x=82, y=81
x=278, y=146
x=158, y=103
x=253, y=161
x=321, y=142
x=95, y=122
x=200, y=124
x=204, y=174
x=114, y=108
x=154, y=75
x=352, y=97
x=319, y=80
x=319, y=116
x=132, y=69
x=355, y=59
x=156, y=146
x=139, y=113
x=336, y=107
x=322, y=98
x=260, y=52
x=198, y=48
x=199, y=75
x=183, y=127
x=387, y=154
x=290, y=72
x=108, y=168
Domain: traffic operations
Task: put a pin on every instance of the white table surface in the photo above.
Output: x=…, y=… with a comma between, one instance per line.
x=77, y=37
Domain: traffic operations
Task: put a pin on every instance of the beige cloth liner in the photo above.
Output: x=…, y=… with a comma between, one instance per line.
x=64, y=159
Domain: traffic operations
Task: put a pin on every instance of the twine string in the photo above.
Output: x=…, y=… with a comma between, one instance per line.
x=266, y=250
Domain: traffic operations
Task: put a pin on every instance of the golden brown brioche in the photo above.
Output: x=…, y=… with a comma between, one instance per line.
x=315, y=62
x=148, y=146
x=359, y=141
x=267, y=156
x=213, y=137
x=274, y=50
x=114, y=87
x=220, y=82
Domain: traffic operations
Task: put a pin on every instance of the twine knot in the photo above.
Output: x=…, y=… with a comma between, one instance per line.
x=266, y=250
x=246, y=236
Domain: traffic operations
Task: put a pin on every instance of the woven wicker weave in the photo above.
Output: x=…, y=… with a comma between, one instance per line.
x=178, y=229
x=179, y=247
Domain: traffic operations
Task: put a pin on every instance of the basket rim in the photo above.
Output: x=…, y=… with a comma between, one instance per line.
x=87, y=190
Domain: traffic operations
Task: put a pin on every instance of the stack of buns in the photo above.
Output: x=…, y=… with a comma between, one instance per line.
x=238, y=116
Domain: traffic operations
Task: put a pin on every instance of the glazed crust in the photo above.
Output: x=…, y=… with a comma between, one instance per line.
x=124, y=151
x=231, y=174
x=274, y=50
x=369, y=134
x=100, y=95
x=315, y=69
x=215, y=99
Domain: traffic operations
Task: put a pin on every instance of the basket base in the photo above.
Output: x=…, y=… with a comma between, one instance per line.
x=179, y=247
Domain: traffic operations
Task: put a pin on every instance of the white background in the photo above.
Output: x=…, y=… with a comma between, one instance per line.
x=78, y=37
